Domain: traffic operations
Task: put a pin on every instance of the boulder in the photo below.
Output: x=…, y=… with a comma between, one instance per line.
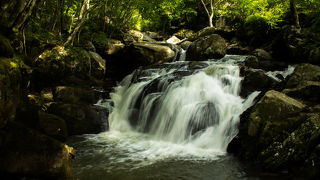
x=208, y=47
x=314, y=56
x=256, y=63
x=53, y=126
x=10, y=82
x=132, y=36
x=262, y=55
x=185, y=45
x=236, y=49
x=6, y=49
x=81, y=118
x=149, y=53
x=272, y=118
x=74, y=95
x=27, y=153
x=302, y=73
x=202, y=33
x=112, y=47
x=184, y=33
x=298, y=150
x=173, y=40
x=153, y=35
x=307, y=91
x=98, y=65
x=256, y=80
x=60, y=62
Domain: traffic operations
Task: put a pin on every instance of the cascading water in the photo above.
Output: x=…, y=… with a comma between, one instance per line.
x=200, y=110
x=172, y=121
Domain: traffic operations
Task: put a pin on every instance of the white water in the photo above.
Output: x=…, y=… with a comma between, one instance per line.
x=197, y=115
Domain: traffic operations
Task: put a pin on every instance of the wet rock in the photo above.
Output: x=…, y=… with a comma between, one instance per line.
x=272, y=116
x=81, y=118
x=299, y=149
x=27, y=153
x=308, y=91
x=208, y=47
x=256, y=80
x=302, y=73
x=185, y=45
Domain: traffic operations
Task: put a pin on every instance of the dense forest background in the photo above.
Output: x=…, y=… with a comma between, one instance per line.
x=60, y=21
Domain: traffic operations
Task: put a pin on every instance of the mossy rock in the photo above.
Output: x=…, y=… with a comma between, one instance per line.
x=27, y=153
x=208, y=47
x=74, y=95
x=6, y=49
x=10, y=78
x=307, y=91
x=302, y=73
x=60, y=62
x=296, y=149
x=272, y=117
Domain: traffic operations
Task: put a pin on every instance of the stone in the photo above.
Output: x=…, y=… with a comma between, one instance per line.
x=307, y=91
x=262, y=55
x=184, y=33
x=81, y=118
x=185, y=45
x=98, y=65
x=208, y=47
x=74, y=95
x=271, y=115
x=314, y=56
x=202, y=33
x=53, y=126
x=173, y=40
x=27, y=153
x=302, y=73
x=132, y=36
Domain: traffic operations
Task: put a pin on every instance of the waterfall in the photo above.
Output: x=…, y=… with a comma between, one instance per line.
x=187, y=103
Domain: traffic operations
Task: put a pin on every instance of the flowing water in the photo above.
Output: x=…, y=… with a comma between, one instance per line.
x=172, y=121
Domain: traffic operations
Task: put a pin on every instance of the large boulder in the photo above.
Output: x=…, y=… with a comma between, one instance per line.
x=149, y=53
x=53, y=126
x=307, y=91
x=27, y=153
x=81, y=118
x=75, y=95
x=202, y=33
x=272, y=118
x=299, y=150
x=132, y=36
x=60, y=62
x=255, y=80
x=208, y=47
x=184, y=33
x=10, y=80
x=302, y=73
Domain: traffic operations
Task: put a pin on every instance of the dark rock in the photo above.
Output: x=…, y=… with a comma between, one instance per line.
x=208, y=47
x=307, y=91
x=27, y=153
x=98, y=65
x=202, y=33
x=6, y=49
x=302, y=73
x=314, y=57
x=271, y=119
x=185, y=45
x=53, y=126
x=75, y=95
x=10, y=79
x=262, y=55
x=256, y=80
x=236, y=49
x=184, y=33
x=81, y=118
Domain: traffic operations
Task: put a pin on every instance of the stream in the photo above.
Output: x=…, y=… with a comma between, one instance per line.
x=171, y=121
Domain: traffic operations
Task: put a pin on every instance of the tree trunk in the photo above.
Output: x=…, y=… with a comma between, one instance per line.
x=294, y=14
x=82, y=17
x=209, y=13
x=22, y=17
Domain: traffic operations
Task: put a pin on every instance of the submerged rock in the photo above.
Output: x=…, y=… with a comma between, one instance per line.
x=208, y=47
x=27, y=153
